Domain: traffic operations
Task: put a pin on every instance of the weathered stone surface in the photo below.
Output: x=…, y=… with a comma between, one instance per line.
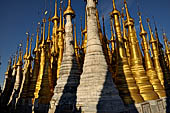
x=64, y=98
x=96, y=92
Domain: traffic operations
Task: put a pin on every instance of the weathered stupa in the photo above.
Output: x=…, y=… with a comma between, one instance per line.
x=96, y=92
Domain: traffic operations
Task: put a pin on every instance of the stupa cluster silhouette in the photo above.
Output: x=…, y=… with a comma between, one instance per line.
x=97, y=76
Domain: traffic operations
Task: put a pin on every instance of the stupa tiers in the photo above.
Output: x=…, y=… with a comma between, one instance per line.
x=98, y=75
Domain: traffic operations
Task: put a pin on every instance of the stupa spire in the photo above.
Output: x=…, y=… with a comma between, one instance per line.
x=48, y=37
x=26, y=52
x=123, y=72
x=150, y=71
x=136, y=62
x=36, y=49
x=60, y=31
x=69, y=10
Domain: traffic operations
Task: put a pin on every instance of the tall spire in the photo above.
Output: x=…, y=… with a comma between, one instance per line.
x=123, y=72
x=167, y=51
x=36, y=49
x=156, y=55
x=127, y=12
x=60, y=43
x=15, y=61
x=26, y=52
x=19, y=63
x=84, y=32
x=150, y=71
x=55, y=17
x=43, y=34
x=48, y=37
x=75, y=41
x=136, y=62
x=30, y=47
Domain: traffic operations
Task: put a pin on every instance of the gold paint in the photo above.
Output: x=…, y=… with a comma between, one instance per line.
x=76, y=47
x=54, y=49
x=35, y=72
x=105, y=45
x=15, y=61
x=47, y=86
x=99, y=28
x=126, y=42
x=48, y=37
x=150, y=71
x=26, y=53
x=36, y=49
x=142, y=80
x=19, y=63
x=69, y=10
x=123, y=77
x=8, y=67
x=156, y=56
x=42, y=63
x=60, y=44
x=25, y=90
x=113, y=49
x=167, y=52
x=84, y=32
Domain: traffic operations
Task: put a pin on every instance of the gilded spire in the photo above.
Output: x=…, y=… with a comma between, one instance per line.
x=26, y=53
x=36, y=49
x=76, y=47
x=127, y=12
x=60, y=29
x=75, y=38
x=136, y=63
x=156, y=55
x=166, y=49
x=84, y=32
x=69, y=10
x=43, y=34
x=9, y=66
x=15, y=61
x=48, y=37
x=150, y=30
x=60, y=43
x=55, y=17
x=150, y=71
x=19, y=63
x=29, y=55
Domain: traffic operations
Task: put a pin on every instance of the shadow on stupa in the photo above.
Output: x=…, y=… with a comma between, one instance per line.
x=67, y=102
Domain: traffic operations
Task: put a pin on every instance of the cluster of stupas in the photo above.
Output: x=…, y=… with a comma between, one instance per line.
x=97, y=76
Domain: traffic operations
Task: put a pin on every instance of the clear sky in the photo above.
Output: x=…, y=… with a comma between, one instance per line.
x=19, y=16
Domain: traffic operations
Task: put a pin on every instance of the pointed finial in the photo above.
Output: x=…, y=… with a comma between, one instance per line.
x=48, y=37
x=60, y=29
x=37, y=39
x=55, y=17
x=19, y=63
x=26, y=53
x=114, y=6
x=150, y=30
x=43, y=34
x=69, y=10
x=75, y=38
x=8, y=67
x=15, y=61
x=127, y=12
x=29, y=56
x=143, y=32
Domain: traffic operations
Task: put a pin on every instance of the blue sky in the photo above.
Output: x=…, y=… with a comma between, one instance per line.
x=19, y=16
